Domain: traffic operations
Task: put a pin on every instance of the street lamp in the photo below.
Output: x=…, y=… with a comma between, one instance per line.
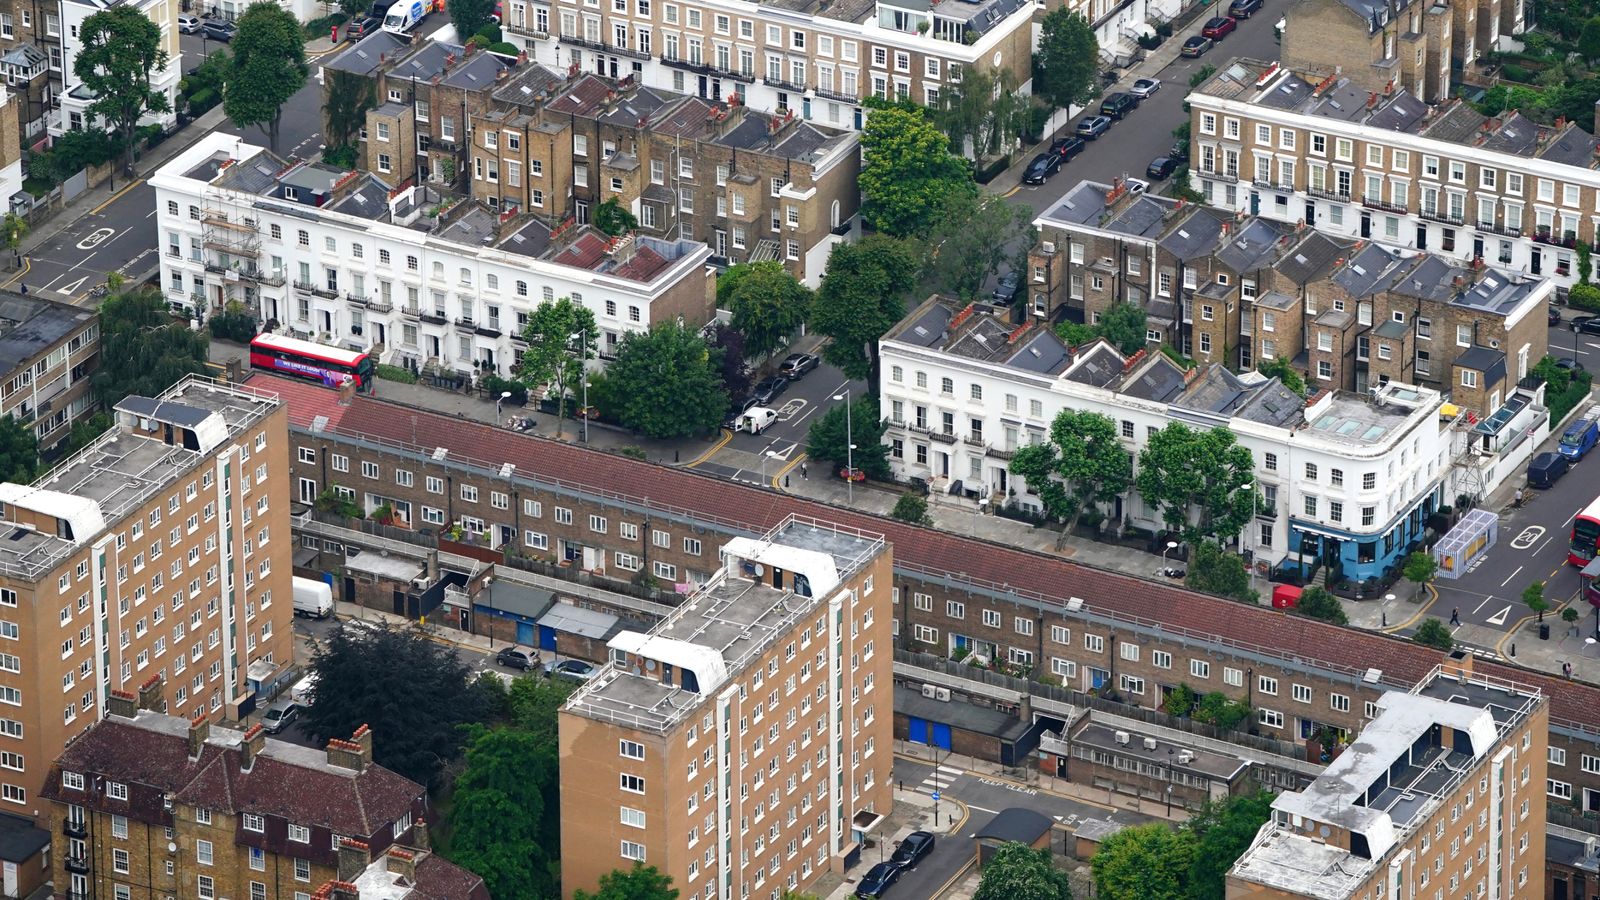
x=850, y=449
x=504, y=396
x=1171, y=546
x=770, y=454
x=582, y=338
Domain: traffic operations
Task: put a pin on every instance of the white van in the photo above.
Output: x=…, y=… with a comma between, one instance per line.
x=312, y=599
x=755, y=420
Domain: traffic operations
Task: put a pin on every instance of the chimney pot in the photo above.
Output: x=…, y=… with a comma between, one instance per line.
x=255, y=740
x=402, y=862
x=199, y=730
x=354, y=857
x=124, y=704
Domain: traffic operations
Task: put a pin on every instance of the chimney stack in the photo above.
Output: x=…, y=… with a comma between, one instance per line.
x=123, y=704
x=199, y=730
x=255, y=740
x=150, y=694
x=354, y=857
x=344, y=890
x=419, y=835
x=355, y=753
x=402, y=862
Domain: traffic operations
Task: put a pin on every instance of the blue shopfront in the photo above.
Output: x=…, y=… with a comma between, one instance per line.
x=1353, y=556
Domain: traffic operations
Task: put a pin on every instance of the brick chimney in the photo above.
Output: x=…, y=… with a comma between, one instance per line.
x=151, y=694
x=363, y=739
x=344, y=890
x=354, y=857
x=199, y=730
x=255, y=740
x=124, y=704
x=402, y=862
x=419, y=835
x=346, y=755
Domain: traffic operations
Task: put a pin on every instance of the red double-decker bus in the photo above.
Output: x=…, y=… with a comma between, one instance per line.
x=1585, y=534
x=313, y=362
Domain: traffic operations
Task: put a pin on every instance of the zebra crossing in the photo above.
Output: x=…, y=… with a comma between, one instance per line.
x=939, y=778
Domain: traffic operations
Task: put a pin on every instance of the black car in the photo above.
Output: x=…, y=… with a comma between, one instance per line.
x=515, y=658
x=1197, y=46
x=1180, y=150
x=796, y=365
x=219, y=31
x=1067, y=147
x=877, y=880
x=1043, y=166
x=1569, y=364
x=768, y=389
x=1587, y=324
x=738, y=409
x=1006, y=290
x=1161, y=167
x=1244, y=9
x=361, y=27
x=1118, y=105
x=1552, y=316
x=911, y=850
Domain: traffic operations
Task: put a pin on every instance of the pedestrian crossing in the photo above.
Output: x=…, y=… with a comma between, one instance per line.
x=939, y=778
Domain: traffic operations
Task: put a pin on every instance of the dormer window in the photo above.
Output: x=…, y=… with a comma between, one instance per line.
x=290, y=193
x=72, y=781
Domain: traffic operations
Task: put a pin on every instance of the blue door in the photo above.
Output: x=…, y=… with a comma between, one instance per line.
x=918, y=730
x=941, y=735
x=547, y=638
x=525, y=633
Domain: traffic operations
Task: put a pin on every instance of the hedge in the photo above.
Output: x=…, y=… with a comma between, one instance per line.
x=395, y=373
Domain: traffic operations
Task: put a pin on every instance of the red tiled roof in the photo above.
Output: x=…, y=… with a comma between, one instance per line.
x=438, y=878
x=585, y=251
x=643, y=266
x=1052, y=580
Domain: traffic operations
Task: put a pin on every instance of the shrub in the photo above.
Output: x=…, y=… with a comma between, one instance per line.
x=504, y=48
x=202, y=100
x=490, y=33
x=396, y=373
x=494, y=386
x=1164, y=29
x=1585, y=297
x=233, y=325
x=1433, y=633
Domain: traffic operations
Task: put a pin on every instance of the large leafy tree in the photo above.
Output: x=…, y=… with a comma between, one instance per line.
x=1064, y=68
x=983, y=109
x=1220, y=833
x=469, y=16
x=269, y=67
x=1123, y=324
x=1019, y=872
x=1316, y=602
x=1082, y=464
x=1216, y=571
x=666, y=384
x=1433, y=633
x=863, y=295
x=641, y=882
x=832, y=433
x=1149, y=862
x=498, y=815
x=974, y=238
x=143, y=350
x=347, y=97
x=766, y=302
x=727, y=348
x=414, y=694
x=561, y=338
x=120, y=51
x=19, y=452
x=908, y=174
x=1195, y=479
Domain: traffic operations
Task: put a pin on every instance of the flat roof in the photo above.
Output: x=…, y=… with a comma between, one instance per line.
x=1165, y=753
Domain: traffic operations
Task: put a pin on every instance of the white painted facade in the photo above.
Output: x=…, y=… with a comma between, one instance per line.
x=72, y=114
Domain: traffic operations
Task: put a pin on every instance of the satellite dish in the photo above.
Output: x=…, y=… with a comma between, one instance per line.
x=171, y=847
x=758, y=569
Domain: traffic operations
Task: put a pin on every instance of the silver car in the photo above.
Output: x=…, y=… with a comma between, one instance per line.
x=188, y=24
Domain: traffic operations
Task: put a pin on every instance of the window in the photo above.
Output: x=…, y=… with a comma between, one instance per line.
x=203, y=853
x=1271, y=718
x=1267, y=685
x=300, y=834
x=633, y=818
x=253, y=822
x=116, y=790
x=633, y=784
x=206, y=887
x=633, y=851
x=631, y=749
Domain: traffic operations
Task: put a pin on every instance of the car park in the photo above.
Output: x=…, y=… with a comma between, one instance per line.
x=517, y=658
x=769, y=389
x=188, y=24
x=1067, y=147
x=1197, y=46
x=1092, y=127
x=1006, y=290
x=570, y=669
x=1144, y=87
x=912, y=849
x=1587, y=324
x=1161, y=168
x=877, y=881
x=1219, y=27
x=796, y=365
x=1043, y=166
x=219, y=31
x=1244, y=9
x=1118, y=105
x=278, y=716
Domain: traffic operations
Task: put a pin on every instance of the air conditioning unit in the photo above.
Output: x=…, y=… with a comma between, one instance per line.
x=941, y=694
x=1149, y=743
x=1185, y=757
x=1048, y=246
x=929, y=691
x=1122, y=738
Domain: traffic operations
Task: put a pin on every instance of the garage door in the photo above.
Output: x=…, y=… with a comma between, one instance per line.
x=941, y=736
x=917, y=730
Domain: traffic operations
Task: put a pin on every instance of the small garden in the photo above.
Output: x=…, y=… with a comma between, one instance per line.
x=1556, y=74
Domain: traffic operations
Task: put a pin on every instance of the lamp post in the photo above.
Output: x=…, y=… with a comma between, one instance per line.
x=504, y=396
x=583, y=360
x=850, y=448
x=770, y=454
x=1171, y=546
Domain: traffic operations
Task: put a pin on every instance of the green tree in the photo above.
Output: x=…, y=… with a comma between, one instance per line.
x=1216, y=709
x=16, y=228
x=614, y=219
x=1148, y=862
x=1585, y=262
x=767, y=304
x=826, y=439
x=269, y=67
x=1218, y=834
x=143, y=350
x=908, y=174
x=1533, y=595
x=1202, y=75
x=1202, y=481
x=498, y=813
x=1419, y=568
x=1082, y=465
x=1019, y=872
x=1549, y=371
x=912, y=509
x=1279, y=368
x=1123, y=324
x=1216, y=571
x=470, y=16
x=862, y=297
x=641, y=882
x=561, y=338
x=120, y=49
x=19, y=452
x=1317, y=603
x=1589, y=40
x=983, y=108
x=666, y=383
x=412, y=692
x=1068, y=60
x=1180, y=701
x=1433, y=633
x=344, y=111
x=973, y=236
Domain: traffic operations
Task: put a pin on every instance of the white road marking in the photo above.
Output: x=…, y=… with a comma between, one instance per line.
x=1511, y=576
x=1527, y=536
x=1499, y=618
x=95, y=237
x=72, y=288
x=992, y=812
x=1482, y=603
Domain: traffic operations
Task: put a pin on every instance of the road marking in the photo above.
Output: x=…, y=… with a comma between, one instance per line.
x=784, y=453
x=790, y=407
x=74, y=266
x=1511, y=576
x=95, y=237
x=712, y=451
x=992, y=812
x=1499, y=618
x=1009, y=786
x=777, y=478
x=1526, y=539
x=70, y=289
x=1482, y=603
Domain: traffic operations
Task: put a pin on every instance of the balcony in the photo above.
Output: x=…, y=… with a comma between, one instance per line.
x=304, y=287
x=414, y=312
x=1512, y=231
x=1372, y=202
x=704, y=68
x=1434, y=215
x=943, y=437
x=1325, y=194
x=1001, y=452
x=1269, y=185
x=435, y=318
x=488, y=329
x=975, y=440
x=273, y=279
x=466, y=322
x=379, y=304
x=780, y=84
x=830, y=94
x=79, y=864
x=1568, y=239
x=75, y=828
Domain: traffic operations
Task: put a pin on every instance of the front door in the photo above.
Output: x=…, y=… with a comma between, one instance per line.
x=308, y=490
x=722, y=243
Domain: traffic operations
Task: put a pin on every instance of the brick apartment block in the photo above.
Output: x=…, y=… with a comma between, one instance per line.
x=48, y=351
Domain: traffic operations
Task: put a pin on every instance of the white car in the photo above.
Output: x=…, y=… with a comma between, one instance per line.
x=1137, y=186
x=1144, y=87
x=188, y=24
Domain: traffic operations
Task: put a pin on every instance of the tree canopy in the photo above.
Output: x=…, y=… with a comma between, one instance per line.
x=1148, y=862
x=1067, y=63
x=143, y=350
x=1195, y=479
x=1216, y=571
x=908, y=174
x=613, y=218
x=561, y=338
x=120, y=50
x=863, y=296
x=268, y=68
x=973, y=237
x=1019, y=872
x=1279, y=368
x=984, y=108
x=19, y=452
x=413, y=693
x=912, y=509
x=1083, y=464
x=767, y=303
x=498, y=811
x=1317, y=603
x=470, y=16
x=641, y=882
x=1123, y=324
x=349, y=96
x=1219, y=833
x=727, y=349
x=1433, y=633
x=826, y=439
x=666, y=384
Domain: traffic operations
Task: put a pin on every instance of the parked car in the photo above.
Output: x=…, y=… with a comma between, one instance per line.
x=1144, y=87
x=796, y=365
x=517, y=658
x=1546, y=469
x=1587, y=324
x=219, y=31
x=1244, y=9
x=916, y=845
x=1571, y=365
x=278, y=716
x=1161, y=168
x=1067, y=147
x=1552, y=316
x=1219, y=27
x=877, y=881
x=1118, y=105
x=570, y=669
x=1197, y=46
x=1136, y=186
x=1092, y=127
x=1006, y=290
x=1180, y=150
x=1043, y=166
x=738, y=410
x=361, y=27
x=768, y=389
x=188, y=24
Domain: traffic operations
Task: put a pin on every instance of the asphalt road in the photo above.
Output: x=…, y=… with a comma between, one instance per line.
x=757, y=458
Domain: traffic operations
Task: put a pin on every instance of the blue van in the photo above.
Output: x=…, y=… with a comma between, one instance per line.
x=1546, y=469
x=1579, y=438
